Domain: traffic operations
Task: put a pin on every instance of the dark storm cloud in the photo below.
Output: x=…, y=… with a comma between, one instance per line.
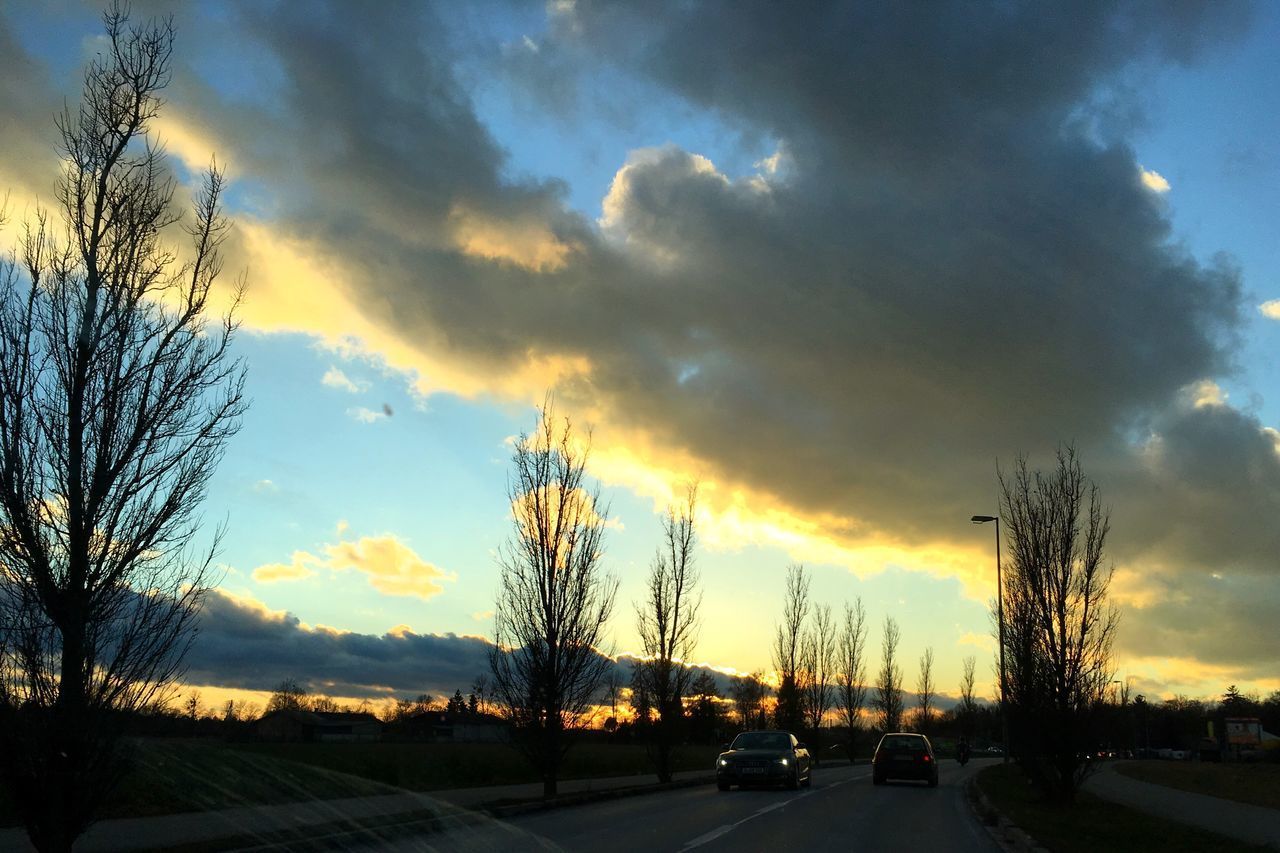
x=957, y=262
x=27, y=103
x=244, y=646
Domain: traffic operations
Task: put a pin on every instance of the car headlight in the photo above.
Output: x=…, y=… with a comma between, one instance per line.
x=724, y=763
x=784, y=762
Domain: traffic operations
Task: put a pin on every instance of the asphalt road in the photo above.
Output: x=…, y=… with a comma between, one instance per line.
x=841, y=811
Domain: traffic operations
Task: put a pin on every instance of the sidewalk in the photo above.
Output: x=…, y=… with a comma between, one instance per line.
x=460, y=805
x=1243, y=822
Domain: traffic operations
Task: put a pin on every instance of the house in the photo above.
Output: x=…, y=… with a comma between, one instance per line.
x=450, y=726
x=318, y=726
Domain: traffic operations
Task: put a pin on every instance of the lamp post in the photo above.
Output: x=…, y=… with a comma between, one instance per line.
x=1004, y=710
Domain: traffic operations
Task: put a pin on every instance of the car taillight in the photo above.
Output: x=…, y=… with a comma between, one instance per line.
x=926, y=758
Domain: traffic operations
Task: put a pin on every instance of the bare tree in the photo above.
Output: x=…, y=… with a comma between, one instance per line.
x=667, y=622
x=554, y=598
x=117, y=397
x=749, y=693
x=289, y=695
x=480, y=690
x=925, y=692
x=786, y=649
x=613, y=690
x=851, y=670
x=888, y=697
x=968, y=707
x=818, y=672
x=1059, y=624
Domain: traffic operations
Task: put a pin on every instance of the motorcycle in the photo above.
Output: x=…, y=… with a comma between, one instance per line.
x=962, y=755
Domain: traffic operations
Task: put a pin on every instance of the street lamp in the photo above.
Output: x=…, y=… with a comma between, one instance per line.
x=1004, y=710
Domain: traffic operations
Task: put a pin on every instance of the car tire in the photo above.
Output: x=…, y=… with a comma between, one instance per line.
x=723, y=786
x=933, y=781
x=808, y=780
x=877, y=779
x=794, y=782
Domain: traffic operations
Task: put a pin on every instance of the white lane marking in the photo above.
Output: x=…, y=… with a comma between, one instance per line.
x=708, y=837
x=730, y=827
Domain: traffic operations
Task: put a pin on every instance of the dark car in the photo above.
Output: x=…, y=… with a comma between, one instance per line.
x=764, y=758
x=903, y=755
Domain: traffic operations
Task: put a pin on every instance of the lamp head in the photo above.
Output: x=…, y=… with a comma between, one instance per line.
x=982, y=519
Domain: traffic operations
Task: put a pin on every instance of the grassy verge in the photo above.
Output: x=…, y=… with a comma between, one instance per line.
x=1093, y=824
x=437, y=766
x=1254, y=784
x=171, y=776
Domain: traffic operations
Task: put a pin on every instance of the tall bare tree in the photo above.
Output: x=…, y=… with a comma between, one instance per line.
x=968, y=707
x=818, y=673
x=1059, y=624
x=787, y=647
x=117, y=397
x=851, y=670
x=749, y=693
x=888, y=696
x=554, y=597
x=925, y=692
x=667, y=622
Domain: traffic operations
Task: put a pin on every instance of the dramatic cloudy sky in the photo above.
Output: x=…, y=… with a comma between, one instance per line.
x=836, y=265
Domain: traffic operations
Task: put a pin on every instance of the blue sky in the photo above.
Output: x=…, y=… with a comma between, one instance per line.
x=736, y=265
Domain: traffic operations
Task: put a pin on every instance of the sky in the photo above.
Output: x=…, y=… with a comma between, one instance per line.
x=835, y=265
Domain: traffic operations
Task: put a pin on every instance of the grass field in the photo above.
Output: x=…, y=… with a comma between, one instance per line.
x=1255, y=784
x=170, y=776
x=1093, y=824
x=436, y=766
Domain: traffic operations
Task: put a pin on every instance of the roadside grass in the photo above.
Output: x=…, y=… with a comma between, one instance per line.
x=172, y=776
x=1253, y=784
x=1093, y=824
x=438, y=766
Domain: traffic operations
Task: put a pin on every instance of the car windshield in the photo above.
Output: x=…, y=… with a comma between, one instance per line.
x=762, y=740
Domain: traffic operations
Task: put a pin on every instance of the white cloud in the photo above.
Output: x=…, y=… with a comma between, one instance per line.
x=366, y=416
x=335, y=378
x=391, y=566
x=298, y=568
x=265, y=487
x=1206, y=392
x=1154, y=181
x=1271, y=309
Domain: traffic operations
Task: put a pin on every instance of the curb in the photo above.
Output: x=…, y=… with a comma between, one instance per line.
x=1003, y=831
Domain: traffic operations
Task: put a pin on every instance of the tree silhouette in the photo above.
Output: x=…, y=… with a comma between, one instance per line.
x=851, y=670
x=1059, y=626
x=554, y=598
x=888, y=695
x=117, y=397
x=787, y=641
x=667, y=622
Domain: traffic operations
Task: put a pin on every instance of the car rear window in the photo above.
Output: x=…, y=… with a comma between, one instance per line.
x=915, y=744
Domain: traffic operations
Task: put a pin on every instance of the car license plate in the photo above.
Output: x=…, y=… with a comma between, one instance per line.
x=902, y=758
x=753, y=770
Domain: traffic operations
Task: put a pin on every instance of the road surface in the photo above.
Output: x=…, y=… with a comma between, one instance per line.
x=841, y=811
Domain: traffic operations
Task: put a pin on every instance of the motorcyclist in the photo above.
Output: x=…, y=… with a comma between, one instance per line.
x=962, y=751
